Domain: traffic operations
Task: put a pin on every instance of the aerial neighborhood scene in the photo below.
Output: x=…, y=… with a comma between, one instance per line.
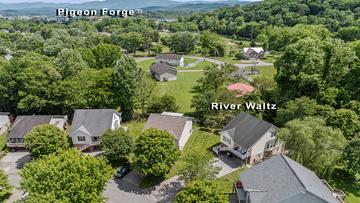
x=144, y=101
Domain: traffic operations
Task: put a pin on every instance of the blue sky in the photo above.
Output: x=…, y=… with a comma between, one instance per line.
x=68, y=1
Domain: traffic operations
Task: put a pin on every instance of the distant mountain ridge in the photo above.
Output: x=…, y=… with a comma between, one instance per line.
x=40, y=8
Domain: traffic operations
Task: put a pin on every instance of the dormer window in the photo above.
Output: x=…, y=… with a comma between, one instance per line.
x=273, y=134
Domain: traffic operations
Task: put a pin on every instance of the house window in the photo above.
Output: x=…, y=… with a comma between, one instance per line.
x=273, y=134
x=81, y=138
x=95, y=138
x=116, y=124
x=227, y=140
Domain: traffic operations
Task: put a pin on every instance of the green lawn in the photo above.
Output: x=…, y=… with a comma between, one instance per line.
x=3, y=141
x=189, y=60
x=265, y=71
x=227, y=182
x=200, y=66
x=145, y=65
x=181, y=89
x=352, y=190
x=200, y=140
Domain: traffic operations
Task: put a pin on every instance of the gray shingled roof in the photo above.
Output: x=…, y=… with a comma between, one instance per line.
x=168, y=57
x=172, y=124
x=95, y=121
x=162, y=68
x=246, y=129
x=23, y=124
x=280, y=178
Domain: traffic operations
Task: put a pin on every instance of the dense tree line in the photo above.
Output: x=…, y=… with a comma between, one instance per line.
x=340, y=17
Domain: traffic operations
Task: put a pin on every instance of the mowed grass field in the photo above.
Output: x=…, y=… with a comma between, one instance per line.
x=181, y=89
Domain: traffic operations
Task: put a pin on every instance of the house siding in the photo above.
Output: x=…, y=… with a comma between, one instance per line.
x=4, y=124
x=165, y=77
x=258, y=149
x=116, y=122
x=74, y=138
x=225, y=134
x=172, y=62
x=185, y=134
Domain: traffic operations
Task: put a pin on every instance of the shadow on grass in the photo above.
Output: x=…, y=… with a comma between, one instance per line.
x=345, y=182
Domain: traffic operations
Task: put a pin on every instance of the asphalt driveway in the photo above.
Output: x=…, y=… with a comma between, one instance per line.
x=11, y=163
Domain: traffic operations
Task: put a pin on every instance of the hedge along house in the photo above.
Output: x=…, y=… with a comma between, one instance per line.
x=163, y=72
x=174, y=123
x=171, y=59
x=24, y=124
x=250, y=139
x=88, y=125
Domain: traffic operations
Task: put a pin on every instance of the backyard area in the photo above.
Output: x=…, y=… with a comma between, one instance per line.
x=181, y=89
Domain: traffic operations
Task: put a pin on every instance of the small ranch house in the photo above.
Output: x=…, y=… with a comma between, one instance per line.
x=4, y=122
x=283, y=180
x=88, y=125
x=174, y=123
x=163, y=72
x=171, y=59
x=23, y=124
x=253, y=52
x=249, y=139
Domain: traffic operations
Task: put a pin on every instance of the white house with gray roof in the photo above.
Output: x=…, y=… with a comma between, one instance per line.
x=163, y=72
x=171, y=59
x=88, y=125
x=250, y=139
x=283, y=180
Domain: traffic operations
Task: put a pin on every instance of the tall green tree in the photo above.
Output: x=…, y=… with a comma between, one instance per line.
x=126, y=79
x=70, y=177
x=182, y=42
x=131, y=41
x=144, y=92
x=345, y=120
x=352, y=155
x=155, y=152
x=69, y=63
x=106, y=55
x=45, y=139
x=313, y=144
x=6, y=188
x=197, y=165
x=116, y=145
x=165, y=103
x=201, y=191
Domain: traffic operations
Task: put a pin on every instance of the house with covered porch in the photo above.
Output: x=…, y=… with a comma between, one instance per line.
x=249, y=139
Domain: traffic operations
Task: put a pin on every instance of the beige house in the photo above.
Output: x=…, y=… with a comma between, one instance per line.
x=250, y=139
x=175, y=123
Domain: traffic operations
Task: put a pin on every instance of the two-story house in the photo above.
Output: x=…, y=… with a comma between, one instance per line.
x=23, y=124
x=88, y=125
x=250, y=139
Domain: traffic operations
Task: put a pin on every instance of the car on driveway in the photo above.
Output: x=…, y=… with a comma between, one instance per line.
x=122, y=171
